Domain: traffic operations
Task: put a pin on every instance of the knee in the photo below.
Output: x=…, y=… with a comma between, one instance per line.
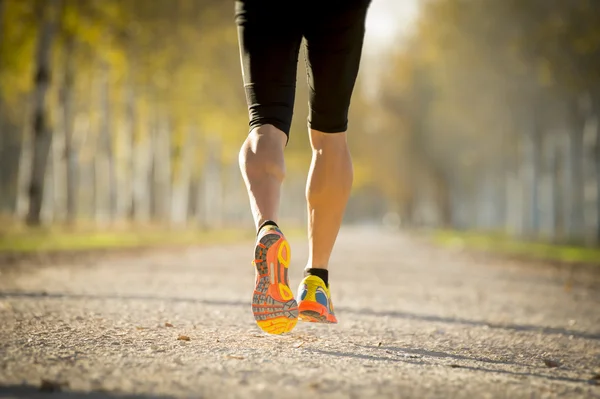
x=261, y=154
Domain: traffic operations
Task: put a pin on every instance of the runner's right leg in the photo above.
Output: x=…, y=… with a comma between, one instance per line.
x=334, y=38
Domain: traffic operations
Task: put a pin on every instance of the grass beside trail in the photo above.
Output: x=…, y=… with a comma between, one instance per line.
x=507, y=246
x=62, y=239
x=20, y=239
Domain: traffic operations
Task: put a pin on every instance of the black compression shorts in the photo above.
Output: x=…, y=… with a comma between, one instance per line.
x=270, y=34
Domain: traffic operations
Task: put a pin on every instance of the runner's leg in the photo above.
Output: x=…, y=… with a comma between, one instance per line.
x=334, y=42
x=269, y=36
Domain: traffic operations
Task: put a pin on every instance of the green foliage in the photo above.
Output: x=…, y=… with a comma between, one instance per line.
x=17, y=44
x=503, y=245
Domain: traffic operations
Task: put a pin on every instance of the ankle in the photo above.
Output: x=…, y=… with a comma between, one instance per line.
x=266, y=223
x=322, y=273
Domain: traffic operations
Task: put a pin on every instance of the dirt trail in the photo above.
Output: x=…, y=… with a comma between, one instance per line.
x=415, y=322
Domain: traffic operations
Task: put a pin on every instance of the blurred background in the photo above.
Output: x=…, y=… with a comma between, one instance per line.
x=474, y=116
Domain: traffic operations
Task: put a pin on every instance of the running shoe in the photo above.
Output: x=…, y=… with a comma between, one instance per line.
x=315, y=301
x=273, y=303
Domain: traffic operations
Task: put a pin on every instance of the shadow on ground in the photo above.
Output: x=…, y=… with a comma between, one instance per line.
x=35, y=392
x=457, y=366
x=339, y=310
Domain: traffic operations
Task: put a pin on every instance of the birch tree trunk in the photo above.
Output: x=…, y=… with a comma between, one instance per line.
x=574, y=222
x=551, y=192
x=2, y=5
x=164, y=167
x=71, y=171
x=141, y=184
x=107, y=144
x=181, y=187
x=48, y=11
x=2, y=133
x=212, y=190
x=161, y=168
x=597, y=164
x=47, y=214
x=57, y=182
x=127, y=180
x=531, y=176
x=515, y=198
x=152, y=175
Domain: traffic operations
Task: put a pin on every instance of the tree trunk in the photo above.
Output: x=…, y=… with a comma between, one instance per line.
x=3, y=190
x=126, y=192
x=552, y=192
x=574, y=222
x=47, y=213
x=25, y=164
x=2, y=5
x=213, y=189
x=55, y=166
x=181, y=188
x=532, y=176
x=154, y=190
x=162, y=168
x=97, y=202
x=597, y=162
x=515, y=196
x=71, y=171
x=107, y=145
x=143, y=156
x=42, y=133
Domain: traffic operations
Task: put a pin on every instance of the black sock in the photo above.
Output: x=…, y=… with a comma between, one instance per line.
x=267, y=223
x=323, y=274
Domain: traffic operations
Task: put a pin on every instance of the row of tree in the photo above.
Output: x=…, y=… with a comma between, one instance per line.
x=116, y=110
x=486, y=118
x=493, y=109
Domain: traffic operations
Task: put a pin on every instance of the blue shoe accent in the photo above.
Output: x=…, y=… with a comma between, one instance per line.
x=321, y=297
x=303, y=292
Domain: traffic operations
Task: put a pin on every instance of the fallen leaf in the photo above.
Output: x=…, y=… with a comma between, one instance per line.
x=183, y=338
x=379, y=344
x=568, y=286
x=235, y=357
x=168, y=325
x=298, y=345
x=455, y=366
x=551, y=363
x=51, y=386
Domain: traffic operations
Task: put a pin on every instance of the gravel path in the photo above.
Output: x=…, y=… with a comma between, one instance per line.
x=415, y=322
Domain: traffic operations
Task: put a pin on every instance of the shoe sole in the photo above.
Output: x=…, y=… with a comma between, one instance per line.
x=273, y=305
x=314, y=313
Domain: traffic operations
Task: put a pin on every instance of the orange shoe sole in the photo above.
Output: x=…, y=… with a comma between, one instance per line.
x=314, y=312
x=273, y=305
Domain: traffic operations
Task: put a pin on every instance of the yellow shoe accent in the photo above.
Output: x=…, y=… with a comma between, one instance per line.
x=315, y=301
x=286, y=292
x=278, y=325
x=284, y=260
